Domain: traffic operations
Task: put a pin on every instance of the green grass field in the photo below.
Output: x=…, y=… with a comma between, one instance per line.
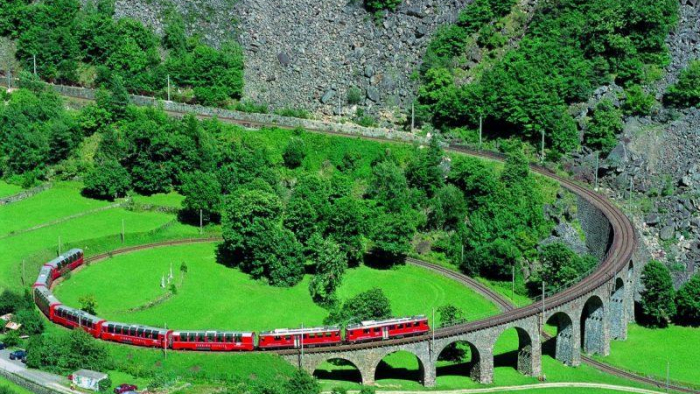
x=168, y=200
x=240, y=303
x=62, y=200
x=7, y=189
x=13, y=387
x=647, y=351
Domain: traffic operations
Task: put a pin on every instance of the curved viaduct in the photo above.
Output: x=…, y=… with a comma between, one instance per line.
x=587, y=315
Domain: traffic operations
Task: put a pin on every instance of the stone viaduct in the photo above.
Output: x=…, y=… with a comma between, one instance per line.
x=587, y=315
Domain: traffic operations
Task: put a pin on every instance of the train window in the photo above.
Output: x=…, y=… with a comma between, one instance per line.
x=377, y=329
x=278, y=338
x=288, y=337
x=192, y=337
x=366, y=330
x=200, y=337
x=220, y=337
x=132, y=331
x=210, y=337
x=110, y=329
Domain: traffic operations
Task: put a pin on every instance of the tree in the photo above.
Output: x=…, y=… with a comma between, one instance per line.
x=302, y=383
x=88, y=304
x=657, y=300
x=369, y=305
x=560, y=266
x=301, y=218
x=108, y=180
x=281, y=257
x=11, y=302
x=346, y=225
x=294, y=152
x=424, y=172
x=391, y=236
x=688, y=302
x=450, y=315
x=686, y=92
x=604, y=126
x=330, y=263
x=32, y=323
x=388, y=186
x=367, y=390
x=448, y=208
x=11, y=339
x=202, y=192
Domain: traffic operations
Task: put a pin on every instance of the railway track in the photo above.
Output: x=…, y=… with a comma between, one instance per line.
x=619, y=254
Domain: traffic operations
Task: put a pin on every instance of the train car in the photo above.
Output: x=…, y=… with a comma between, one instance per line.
x=295, y=338
x=386, y=329
x=46, y=301
x=216, y=341
x=135, y=335
x=72, y=318
x=68, y=261
x=45, y=278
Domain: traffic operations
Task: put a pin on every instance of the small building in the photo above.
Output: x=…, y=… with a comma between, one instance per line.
x=87, y=379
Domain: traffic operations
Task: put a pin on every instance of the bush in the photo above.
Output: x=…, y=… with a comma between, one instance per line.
x=105, y=385
x=688, y=302
x=369, y=305
x=11, y=339
x=379, y=5
x=604, y=126
x=367, y=390
x=107, y=180
x=302, y=383
x=294, y=153
x=686, y=92
x=637, y=101
x=354, y=95
x=658, y=304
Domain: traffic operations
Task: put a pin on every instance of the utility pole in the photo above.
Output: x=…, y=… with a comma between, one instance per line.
x=201, y=231
x=413, y=116
x=668, y=374
x=597, y=164
x=543, y=295
x=168, y=87
x=543, y=145
x=433, y=342
x=23, y=271
x=301, y=359
x=34, y=64
x=481, y=129
x=9, y=76
x=630, y=199
x=122, y=230
x=512, y=290
x=59, y=245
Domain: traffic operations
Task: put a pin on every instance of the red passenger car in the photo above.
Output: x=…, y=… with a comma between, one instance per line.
x=217, y=341
x=68, y=261
x=385, y=329
x=45, y=278
x=72, y=318
x=135, y=335
x=46, y=301
x=294, y=339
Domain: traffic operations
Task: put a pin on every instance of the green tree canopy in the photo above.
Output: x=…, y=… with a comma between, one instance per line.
x=658, y=304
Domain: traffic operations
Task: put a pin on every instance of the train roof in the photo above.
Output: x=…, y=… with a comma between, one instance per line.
x=296, y=331
x=246, y=333
x=44, y=275
x=46, y=293
x=63, y=256
x=81, y=314
x=375, y=323
x=115, y=323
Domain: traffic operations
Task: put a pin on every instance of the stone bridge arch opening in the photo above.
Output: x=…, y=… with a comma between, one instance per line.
x=459, y=358
x=563, y=346
x=618, y=313
x=514, y=348
x=593, y=326
x=338, y=369
x=400, y=365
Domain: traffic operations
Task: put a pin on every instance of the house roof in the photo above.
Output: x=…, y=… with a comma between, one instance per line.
x=90, y=374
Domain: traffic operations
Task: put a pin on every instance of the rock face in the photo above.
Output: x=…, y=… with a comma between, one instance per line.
x=297, y=51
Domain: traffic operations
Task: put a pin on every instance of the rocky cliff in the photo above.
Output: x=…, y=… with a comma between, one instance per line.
x=308, y=53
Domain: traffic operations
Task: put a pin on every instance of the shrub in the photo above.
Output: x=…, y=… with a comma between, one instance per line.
x=688, y=302
x=105, y=385
x=379, y=5
x=302, y=383
x=604, y=126
x=107, y=180
x=637, y=101
x=686, y=92
x=11, y=339
x=294, y=153
x=354, y=95
x=658, y=304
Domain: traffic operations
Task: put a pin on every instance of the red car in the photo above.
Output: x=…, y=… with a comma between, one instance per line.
x=385, y=329
x=213, y=341
x=123, y=388
x=68, y=261
x=132, y=334
x=46, y=301
x=72, y=318
x=308, y=337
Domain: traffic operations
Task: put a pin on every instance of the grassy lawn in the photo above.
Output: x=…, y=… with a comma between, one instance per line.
x=62, y=200
x=16, y=389
x=168, y=200
x=679, y=346
x=25, y=246
x=7, y=189
x=216, y=297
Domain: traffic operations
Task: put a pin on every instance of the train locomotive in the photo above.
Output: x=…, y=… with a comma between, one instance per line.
x=206, y=340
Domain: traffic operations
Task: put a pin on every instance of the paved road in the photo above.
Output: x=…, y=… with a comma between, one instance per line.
x=43, y=378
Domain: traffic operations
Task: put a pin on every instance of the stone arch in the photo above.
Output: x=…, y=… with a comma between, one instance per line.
x=353, y=374
x=382, y=371
x=472, y=368
x=593, y=338
x=525, y=361
x=630, y=272
x=564, y=347
x=618, y=321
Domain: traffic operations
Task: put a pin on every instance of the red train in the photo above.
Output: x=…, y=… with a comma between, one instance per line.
x=66, y=262
x=220, y=341
x=223, y=341
x=385, y=329
x=294, y=339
